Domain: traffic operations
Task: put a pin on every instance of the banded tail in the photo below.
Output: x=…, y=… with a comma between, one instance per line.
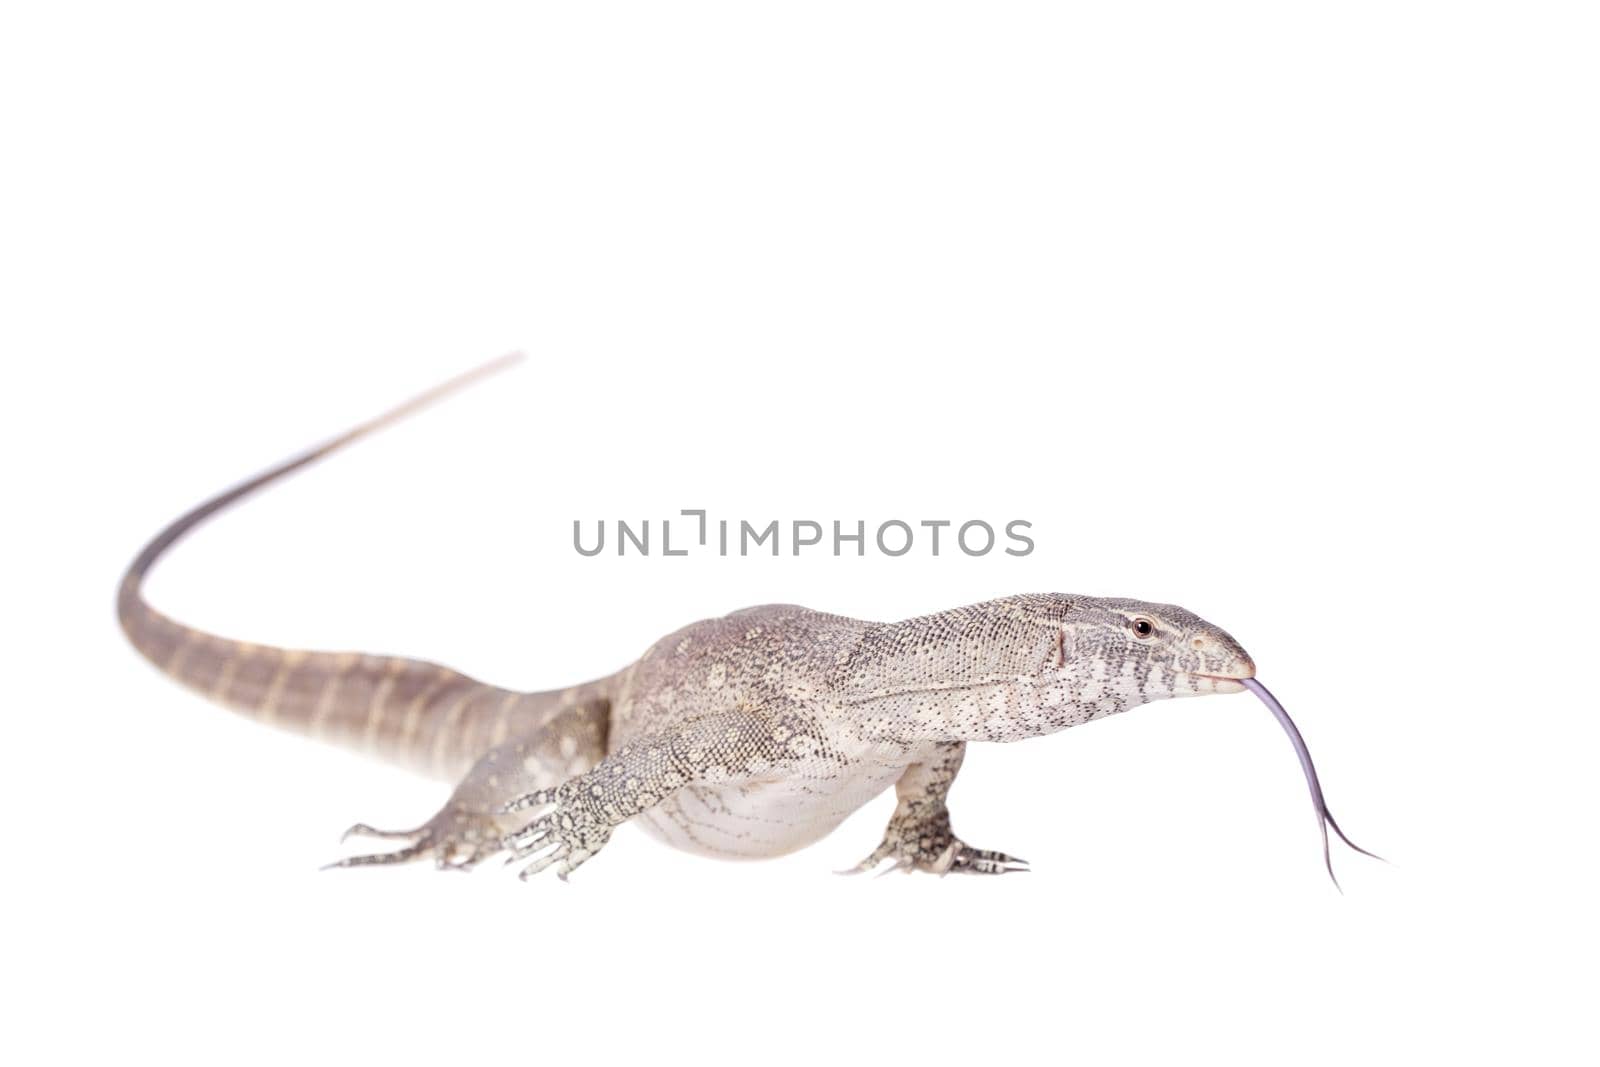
x=412, y=712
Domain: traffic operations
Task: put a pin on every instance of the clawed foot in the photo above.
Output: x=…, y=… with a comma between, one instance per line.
x=569, y=834
x=456, y=840
x=919, y=839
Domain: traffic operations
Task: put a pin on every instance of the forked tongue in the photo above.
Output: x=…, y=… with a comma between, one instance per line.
x=1324, y=817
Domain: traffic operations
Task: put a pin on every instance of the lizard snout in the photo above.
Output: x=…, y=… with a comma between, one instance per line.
x=1222, y=658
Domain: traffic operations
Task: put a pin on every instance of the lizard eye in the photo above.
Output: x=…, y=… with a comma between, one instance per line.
x=1142, y=628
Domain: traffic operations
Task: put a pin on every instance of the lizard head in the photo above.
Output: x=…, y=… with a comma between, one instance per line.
x=1116, y=654
x=1137, y=652
x=1112, y=655
x=1023, y=666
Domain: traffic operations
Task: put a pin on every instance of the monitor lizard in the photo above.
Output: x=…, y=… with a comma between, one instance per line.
x=750, y=735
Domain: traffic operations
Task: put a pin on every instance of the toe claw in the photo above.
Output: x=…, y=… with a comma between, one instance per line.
x=529, y=839
x=988, y=861
x=901, y=864
x=540, y=864
x=361, y=829
x=877, y=856
x=374, y=859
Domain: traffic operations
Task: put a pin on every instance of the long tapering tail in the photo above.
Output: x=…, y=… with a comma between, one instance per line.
x=420, y=714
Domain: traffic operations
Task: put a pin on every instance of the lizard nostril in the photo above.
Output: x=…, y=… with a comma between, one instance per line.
x=1199, y=642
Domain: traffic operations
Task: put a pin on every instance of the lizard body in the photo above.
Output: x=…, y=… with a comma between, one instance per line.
x=749, y=735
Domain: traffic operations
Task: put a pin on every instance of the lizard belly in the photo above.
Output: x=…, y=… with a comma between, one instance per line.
x=754, y=820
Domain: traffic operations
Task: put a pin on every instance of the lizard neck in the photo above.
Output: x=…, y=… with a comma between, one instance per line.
x=974, y=674
x=1011, y=709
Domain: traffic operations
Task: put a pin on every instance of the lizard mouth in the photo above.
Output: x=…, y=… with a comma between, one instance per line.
x=1224, y=683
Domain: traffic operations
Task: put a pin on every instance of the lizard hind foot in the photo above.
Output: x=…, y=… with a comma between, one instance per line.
x=454, y=839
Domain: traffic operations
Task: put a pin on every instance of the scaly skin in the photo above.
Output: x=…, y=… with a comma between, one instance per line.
x=749, y=735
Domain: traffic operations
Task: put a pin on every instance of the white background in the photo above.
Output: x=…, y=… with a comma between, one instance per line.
x=1280, y=312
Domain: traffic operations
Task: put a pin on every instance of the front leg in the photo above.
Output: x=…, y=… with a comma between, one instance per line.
x=723, y=748
x=919, y=836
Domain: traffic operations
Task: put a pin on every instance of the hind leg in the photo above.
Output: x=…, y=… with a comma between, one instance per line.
x=470, y=826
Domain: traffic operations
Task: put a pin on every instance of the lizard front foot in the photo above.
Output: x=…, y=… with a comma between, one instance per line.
x=457, y=839
x=570, y=834
x=919, y=838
